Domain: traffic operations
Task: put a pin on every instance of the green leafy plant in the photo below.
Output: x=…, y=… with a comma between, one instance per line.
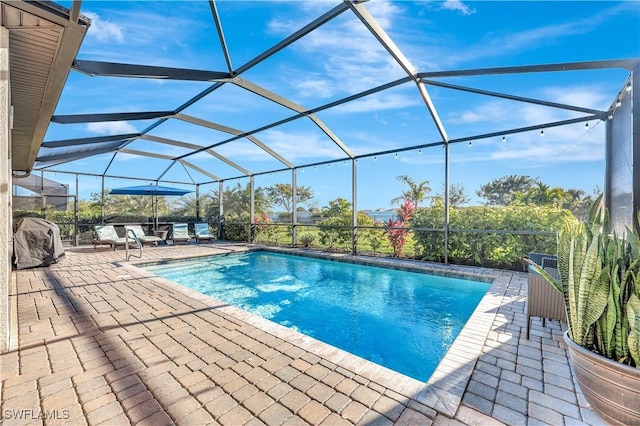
x=598, y=278
x=374, y=237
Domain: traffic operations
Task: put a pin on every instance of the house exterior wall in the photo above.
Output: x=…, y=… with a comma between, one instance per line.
x=6, y=234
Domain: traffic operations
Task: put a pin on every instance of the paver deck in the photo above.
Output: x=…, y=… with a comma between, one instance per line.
x=99, y=341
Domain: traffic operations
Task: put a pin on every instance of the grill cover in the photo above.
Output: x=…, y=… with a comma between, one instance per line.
x=36, y=243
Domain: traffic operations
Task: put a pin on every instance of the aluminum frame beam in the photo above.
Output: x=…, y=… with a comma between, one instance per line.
x=627, y=64
x=145, y=154
x=67, y=172
x=223, y=43
x=383, y=38
x=512, y=97
x=316, y=23
x=196, y=147
x=311, y=111
x=167, y=157
x=113, y=69
x=266, y=54
x=113, y=116
x=273, y=97
x=87, y=141
x=200, y=170
x=70, y=156
x=421, y=80
x=232, y=131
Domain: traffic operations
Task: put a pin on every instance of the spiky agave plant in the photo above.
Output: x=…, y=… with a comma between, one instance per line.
x=598, y=275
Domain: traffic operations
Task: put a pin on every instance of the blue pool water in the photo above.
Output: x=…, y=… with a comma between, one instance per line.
x=402, y=320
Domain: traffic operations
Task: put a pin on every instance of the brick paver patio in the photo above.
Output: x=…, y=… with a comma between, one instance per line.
x=102, y=342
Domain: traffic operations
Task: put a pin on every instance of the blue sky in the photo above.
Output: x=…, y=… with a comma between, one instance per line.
x=343, y=58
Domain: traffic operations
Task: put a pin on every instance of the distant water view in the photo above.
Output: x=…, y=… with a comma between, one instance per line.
x=378, y=215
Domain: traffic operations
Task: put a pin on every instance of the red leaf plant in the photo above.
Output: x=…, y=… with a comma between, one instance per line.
x=262, y=224
x=395, y=228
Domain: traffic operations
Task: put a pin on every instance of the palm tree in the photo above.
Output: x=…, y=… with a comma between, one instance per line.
x=415, y=193
x=541, y=195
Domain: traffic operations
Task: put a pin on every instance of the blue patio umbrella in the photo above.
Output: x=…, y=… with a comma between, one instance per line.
x=149, y=190
x=153, y=190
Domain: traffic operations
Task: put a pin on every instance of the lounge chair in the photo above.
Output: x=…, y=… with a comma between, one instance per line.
x=106, y=234
x=203, y=233
x=144, y=239
x=181, y=233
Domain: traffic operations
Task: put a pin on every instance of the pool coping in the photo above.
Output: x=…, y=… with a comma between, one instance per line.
x=446, y=386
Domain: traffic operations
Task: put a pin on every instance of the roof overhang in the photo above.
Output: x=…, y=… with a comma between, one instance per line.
x=44, y=39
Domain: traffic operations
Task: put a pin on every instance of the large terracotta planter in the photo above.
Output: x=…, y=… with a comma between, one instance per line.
x=611, y=388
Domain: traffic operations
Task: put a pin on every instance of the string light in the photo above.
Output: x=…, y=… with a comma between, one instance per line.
x=586, y=125
x=504, y=139
x=419, y=152
x=469, y=143
x=396, y=156
x=618, y=103
x=628, y=88
x=610, y=117
x=375, y=158
x=542, y=132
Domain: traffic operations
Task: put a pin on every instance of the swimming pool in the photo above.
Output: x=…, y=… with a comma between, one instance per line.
x=402, y=320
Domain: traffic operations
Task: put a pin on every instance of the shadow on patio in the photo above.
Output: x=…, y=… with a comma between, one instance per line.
x=103, y=342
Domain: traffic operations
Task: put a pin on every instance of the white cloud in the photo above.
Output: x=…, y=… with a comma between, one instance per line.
x=451, y=52
x=486, y=112
x=379, y=102
x=298, y=146
x=293, y=146
x=584, y=96
x=111, y=128
x=147, y=34
x=104, y=31
x=524, y=151
x=314, y=88
x=384, y=12
x=459, y=6
x=564, y=144
x=520, y=114
x=346, y=57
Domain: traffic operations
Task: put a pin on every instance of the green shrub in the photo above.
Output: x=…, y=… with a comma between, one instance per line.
x=306, y=239
x=337, y=230
x=498, y=250
x=236, y=231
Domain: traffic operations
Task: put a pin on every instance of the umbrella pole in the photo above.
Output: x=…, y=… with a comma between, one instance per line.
x=155, y=213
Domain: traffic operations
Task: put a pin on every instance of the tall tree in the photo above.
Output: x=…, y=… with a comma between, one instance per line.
x=337, y=207
x=415, y=192
x=237, y=201
x=501, y=191
x=281, y=194
x=542, y=195
x=579, y=202
x=457, y=195
x=186, y=205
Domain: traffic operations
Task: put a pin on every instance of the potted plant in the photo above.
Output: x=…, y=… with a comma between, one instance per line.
x=598, y=278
